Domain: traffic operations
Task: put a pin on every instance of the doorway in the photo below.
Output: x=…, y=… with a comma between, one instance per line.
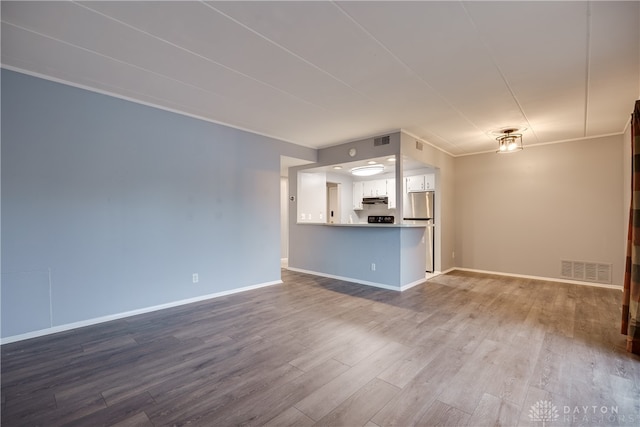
x=333, y=203
x=285, y=202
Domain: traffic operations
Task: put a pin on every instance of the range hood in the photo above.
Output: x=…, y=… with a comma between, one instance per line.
x=375, y=200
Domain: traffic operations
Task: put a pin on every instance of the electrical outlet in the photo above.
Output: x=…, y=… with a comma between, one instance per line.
x=373, y=266
x=195, y=278
x=453, y=255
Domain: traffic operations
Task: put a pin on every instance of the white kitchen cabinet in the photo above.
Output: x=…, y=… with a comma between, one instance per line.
x=368, y=189
x=358, y=193
x=375, y=188
x=391, y=193
x=430, y=182
x=421, y=182
x=415, y=183
x=381, y=187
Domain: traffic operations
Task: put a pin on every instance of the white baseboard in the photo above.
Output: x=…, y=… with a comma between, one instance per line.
x=542, y=278
x=351, y=279
x=412, y=284
x=97, y=320
x=102, y=319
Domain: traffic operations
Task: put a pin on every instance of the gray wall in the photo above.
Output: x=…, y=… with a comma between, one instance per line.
x=524, y=212
x=121, y=203
x=348, y=252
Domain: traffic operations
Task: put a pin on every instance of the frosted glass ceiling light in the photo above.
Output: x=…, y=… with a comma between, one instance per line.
x=509, y=142
x=368, y=170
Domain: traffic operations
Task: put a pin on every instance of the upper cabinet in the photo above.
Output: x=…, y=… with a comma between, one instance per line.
x=415, y=183
x=391, y=193
x=420, y=183
x=376, y=188
x=358, y=193
x=430, y=182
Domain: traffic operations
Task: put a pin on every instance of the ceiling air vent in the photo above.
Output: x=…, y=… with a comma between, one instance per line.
x=382, y=140
x=597, y=272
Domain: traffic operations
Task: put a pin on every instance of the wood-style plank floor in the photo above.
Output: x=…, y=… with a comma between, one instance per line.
x=461, y=349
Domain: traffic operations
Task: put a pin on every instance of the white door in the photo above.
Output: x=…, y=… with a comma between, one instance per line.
x=333, y=204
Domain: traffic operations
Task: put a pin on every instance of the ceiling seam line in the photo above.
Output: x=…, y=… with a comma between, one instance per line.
x=114, y=59
x=502, y=75
x=201, y=57
x=336, y=78
x=587, y=71
x=156, y=101
x=408, y=68
x=290, y=52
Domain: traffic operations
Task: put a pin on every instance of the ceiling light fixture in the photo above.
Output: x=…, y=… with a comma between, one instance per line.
x=337, y=167
x=508, y=141
x=368, y=170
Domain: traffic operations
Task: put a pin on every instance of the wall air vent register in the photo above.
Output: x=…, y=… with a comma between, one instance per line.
x=596, y=272
x=383, y=140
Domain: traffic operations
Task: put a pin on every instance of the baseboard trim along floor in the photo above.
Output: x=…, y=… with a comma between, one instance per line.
x=352, y=280
x=428, y=276
x=108, y=318
x=545, y=279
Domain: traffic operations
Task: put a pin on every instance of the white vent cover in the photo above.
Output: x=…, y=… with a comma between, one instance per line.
x=587, y=271
x=566, y=270
x=604, y=273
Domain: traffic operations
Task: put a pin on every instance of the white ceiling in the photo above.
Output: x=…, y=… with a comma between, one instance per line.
x=321, y=73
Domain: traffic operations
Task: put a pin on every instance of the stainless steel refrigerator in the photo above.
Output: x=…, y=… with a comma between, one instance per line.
x=419, y=209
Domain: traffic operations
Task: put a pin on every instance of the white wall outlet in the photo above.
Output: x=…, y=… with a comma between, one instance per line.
x=373, y=266
x=195, y=278
x=453, y=255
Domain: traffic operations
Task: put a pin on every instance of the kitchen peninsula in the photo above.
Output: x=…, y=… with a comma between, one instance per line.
x=351, y=221
x=389, y=256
